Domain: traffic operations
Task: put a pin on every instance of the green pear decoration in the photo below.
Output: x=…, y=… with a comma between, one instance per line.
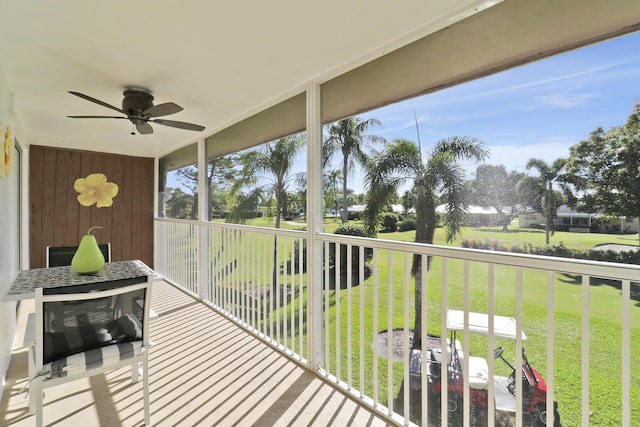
x=88, y=259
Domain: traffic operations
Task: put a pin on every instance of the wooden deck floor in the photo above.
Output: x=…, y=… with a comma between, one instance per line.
x=204, y=370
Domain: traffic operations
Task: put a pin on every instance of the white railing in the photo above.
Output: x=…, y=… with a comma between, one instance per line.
x=236, y=268
x=176, y=252
x=582, y=347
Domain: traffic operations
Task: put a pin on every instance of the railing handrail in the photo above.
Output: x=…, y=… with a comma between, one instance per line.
x=539, y=262
x=241, y=227
x=617, y=271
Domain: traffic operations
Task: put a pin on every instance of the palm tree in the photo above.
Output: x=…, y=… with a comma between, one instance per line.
x=294, y=202
x=548, y=174
x=301, y=194
x=348, y=137
x=440, y=176
x=276, y=158
x=331, y=180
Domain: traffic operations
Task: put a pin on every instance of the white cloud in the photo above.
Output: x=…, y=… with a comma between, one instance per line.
x=564, y=101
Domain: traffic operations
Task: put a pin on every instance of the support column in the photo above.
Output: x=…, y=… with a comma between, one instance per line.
x=314, y=225
x=203, y=217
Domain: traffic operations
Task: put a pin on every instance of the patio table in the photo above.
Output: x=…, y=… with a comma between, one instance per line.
x=24, y=285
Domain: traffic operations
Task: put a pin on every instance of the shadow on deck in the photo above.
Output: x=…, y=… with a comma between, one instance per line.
x=204, y=370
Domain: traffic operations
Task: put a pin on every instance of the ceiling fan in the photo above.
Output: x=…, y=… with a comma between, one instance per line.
x=138, y=108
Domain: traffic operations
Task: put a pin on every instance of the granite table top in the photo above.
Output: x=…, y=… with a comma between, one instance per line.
x=24, y=285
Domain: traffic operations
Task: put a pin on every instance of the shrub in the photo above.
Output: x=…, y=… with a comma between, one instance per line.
x=407, y=224
x=560, y=250
x=349, y=230
x=389, y=222
x=239, y=216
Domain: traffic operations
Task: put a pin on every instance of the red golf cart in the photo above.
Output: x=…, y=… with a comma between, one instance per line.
x=534, y=388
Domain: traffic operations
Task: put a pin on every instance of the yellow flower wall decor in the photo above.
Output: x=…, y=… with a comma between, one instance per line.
x=95, y=189
x=8, y=148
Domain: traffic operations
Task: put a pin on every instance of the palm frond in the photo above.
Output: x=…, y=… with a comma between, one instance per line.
x=462, y=148
x=401, y=156
x=453, y=190
x=377, y=199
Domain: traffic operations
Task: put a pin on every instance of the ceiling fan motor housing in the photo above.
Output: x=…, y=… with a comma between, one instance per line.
x=135, y=102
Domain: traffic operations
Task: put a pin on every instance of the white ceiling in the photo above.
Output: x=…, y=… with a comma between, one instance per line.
x=221, y=61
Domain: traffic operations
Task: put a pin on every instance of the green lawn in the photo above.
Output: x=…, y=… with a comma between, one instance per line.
x=604, y=320
x=604, y=324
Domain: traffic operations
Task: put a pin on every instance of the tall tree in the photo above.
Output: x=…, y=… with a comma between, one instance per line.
x=439, y=176
x=276, y=158
x=179, y=204
x=301, y=181
x=245, y=207
x=348, y=138
x=604, y=170
x=408, y=201
x=295, y=202
x=331, y=180
x=495, y=187
x=531, y=192
x=222, y=176
x=548, y=174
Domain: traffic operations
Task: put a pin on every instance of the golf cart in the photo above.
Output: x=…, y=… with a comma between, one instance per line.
x=534, y=388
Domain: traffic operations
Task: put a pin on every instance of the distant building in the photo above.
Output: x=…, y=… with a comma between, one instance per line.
x=399, y=209
x=617, y=225
x=531, y=220
x=568, y=219
x=355, y=211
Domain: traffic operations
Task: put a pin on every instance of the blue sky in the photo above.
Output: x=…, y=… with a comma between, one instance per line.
x=535, y=110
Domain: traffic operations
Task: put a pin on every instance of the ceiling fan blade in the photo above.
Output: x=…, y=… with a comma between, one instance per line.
x=180, y=125
x=96, y=117
x=97, y=101
x=144, y=128
x=162, y=110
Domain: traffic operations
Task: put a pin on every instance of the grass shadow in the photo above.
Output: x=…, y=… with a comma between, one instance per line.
x=576, y=279
x=343, y=282
x=520, y=231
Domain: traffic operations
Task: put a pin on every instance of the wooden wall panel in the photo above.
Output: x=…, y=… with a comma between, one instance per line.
x=62, y=199
x=57, y=219
x=73, y=208
x=127, y=216
x=118, y=220
x=36, y=159
x=47, y=209
x=84, y=215
x=146, y=201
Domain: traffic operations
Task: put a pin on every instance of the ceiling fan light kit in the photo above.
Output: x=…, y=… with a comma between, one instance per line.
x=137, y=106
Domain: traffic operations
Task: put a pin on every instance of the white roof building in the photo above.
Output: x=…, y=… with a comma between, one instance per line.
x=470, y=210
